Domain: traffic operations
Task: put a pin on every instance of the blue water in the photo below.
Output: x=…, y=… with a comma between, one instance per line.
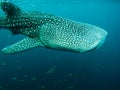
x=46, y=69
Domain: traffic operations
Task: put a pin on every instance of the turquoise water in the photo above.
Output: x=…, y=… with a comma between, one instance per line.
x=46, y=69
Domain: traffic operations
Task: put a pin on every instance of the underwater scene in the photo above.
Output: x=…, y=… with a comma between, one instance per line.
x=59, y=44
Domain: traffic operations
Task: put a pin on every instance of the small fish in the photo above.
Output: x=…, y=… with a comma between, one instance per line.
x=46, y=30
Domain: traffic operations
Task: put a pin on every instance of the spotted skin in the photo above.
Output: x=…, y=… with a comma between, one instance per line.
x=50, y=31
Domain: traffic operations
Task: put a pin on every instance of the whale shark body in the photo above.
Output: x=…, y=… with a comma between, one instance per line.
x=49, y=31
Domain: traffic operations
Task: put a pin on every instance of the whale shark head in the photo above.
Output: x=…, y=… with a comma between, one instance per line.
x=50, y=31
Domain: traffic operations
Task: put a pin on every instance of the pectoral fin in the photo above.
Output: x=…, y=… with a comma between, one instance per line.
x=22, y=45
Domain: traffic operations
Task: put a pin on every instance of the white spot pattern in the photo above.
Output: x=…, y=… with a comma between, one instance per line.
x=52, y=31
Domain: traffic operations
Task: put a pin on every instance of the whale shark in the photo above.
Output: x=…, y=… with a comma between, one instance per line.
x=49, y=31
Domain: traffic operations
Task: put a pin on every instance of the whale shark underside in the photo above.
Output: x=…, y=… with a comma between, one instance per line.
x=49, y=31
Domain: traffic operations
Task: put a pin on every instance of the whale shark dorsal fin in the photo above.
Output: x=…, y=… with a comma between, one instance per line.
x=10, y=9
x=22, y=45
